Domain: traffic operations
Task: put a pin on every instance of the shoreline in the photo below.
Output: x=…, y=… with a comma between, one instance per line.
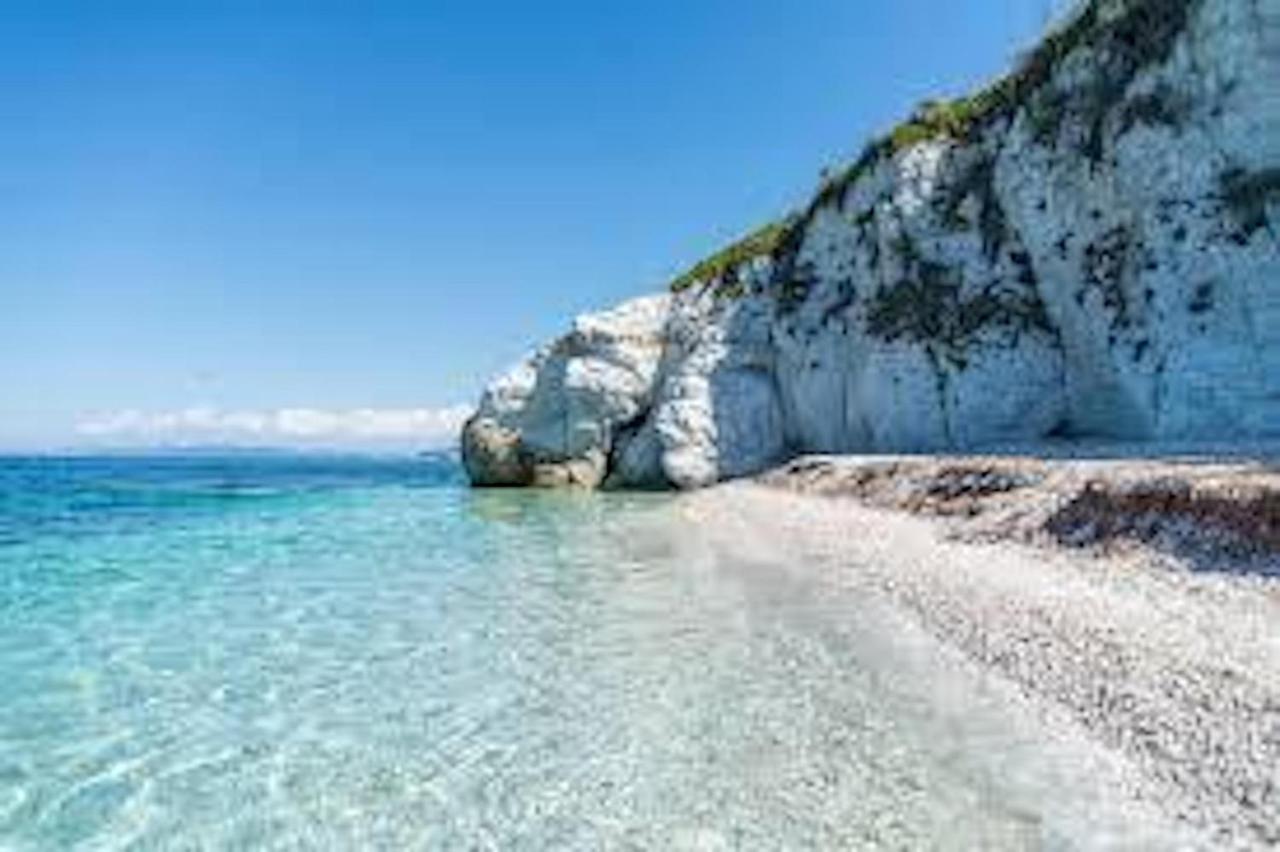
x=1215, y=514
x=1149, y=619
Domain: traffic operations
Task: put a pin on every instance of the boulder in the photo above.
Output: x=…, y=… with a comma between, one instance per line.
x=555, y=418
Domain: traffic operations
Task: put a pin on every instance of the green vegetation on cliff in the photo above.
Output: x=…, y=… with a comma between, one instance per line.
x=1124, y=38
x=763, y=242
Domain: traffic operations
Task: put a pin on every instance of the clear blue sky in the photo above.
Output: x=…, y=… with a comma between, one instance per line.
x=264, y=205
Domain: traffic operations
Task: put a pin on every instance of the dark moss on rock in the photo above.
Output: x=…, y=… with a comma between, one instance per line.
x=793, y=289
x=1247, y=195
x=1162, y=107
x=1141, y=34
x=1105, y=267
x=977, y=182
x=1202, y=299
x=929, y=306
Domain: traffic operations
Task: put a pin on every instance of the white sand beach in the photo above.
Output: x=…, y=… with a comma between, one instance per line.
x=1160, y=668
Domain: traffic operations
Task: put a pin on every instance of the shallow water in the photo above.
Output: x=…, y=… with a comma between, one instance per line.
x=347, y=653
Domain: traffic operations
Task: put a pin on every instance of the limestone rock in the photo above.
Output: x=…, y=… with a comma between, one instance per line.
x=1090, y=247
x=553, y=420
x=492, y=455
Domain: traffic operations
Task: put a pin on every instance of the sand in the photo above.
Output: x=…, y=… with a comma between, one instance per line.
x=1157, y=638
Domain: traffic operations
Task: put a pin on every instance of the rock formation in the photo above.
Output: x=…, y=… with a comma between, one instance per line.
x=1088, y=247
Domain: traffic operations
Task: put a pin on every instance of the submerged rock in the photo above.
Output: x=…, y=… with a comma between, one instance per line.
x=1087, y=247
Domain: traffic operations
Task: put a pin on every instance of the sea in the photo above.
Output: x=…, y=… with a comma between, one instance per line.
x=345, y=652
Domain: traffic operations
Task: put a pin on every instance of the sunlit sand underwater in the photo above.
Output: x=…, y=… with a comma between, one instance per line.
x=349, y=653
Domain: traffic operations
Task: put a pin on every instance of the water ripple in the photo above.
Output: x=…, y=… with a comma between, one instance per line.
x=391, y=667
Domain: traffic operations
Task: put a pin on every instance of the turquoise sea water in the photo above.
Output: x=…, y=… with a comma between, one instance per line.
x=303, y=653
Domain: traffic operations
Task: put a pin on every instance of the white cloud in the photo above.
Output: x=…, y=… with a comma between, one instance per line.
x=315, y=427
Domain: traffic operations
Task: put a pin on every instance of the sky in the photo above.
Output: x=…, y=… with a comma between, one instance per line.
x=331, y=222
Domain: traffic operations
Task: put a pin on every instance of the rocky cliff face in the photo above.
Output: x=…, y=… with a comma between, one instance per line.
x=1089, y=247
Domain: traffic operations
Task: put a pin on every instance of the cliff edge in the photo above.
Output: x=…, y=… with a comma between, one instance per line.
x=1088, y=247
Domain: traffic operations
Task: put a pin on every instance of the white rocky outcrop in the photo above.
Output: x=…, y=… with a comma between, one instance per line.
x=558, y=416
x=1087, y=248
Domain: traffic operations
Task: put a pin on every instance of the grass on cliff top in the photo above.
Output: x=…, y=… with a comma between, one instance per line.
x=1137, y=35
x=1141, y=34
x=762, y=242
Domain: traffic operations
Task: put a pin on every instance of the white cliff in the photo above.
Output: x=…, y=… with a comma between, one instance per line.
x=557, y=417
x=1089, y=247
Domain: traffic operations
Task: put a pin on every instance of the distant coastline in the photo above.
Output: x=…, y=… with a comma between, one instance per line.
x=448, y=453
